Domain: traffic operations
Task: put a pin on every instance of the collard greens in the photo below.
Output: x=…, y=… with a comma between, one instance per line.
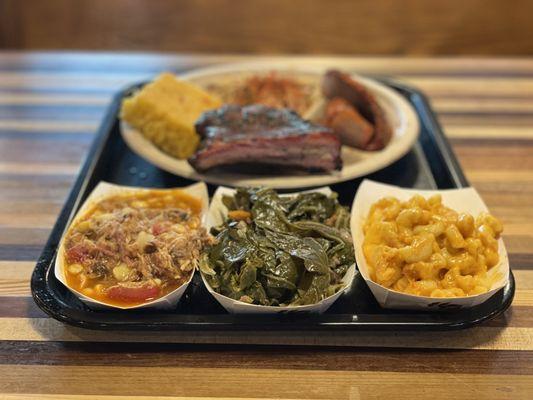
x=279, y=251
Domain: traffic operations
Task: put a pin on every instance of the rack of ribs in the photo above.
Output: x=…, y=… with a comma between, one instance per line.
x=258, y=134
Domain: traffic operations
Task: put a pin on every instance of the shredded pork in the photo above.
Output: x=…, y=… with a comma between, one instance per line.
x=132, y=246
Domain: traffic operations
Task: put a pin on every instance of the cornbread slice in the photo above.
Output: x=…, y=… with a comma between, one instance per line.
x=165, y=110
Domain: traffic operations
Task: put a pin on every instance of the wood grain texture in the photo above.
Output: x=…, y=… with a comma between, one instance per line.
x=50, y=107
x=279, y=358
x=272, y=26
x=259, y=382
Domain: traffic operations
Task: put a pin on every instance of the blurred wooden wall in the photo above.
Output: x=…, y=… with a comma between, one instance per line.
x=411, y=27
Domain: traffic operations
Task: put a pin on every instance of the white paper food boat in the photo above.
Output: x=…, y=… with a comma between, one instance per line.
x=216, y=216
x=462, y=200
x=102, y=191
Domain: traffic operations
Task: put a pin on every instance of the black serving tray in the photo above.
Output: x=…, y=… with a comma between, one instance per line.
x=431, y=164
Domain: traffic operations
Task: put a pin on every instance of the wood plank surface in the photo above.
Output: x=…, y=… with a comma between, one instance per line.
x=51, y=106
x=244, y=382
x=495, y=27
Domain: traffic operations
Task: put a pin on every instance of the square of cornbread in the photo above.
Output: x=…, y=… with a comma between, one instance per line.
x=165, y=111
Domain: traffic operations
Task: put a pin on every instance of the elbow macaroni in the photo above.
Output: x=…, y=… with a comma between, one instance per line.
x=424, y=248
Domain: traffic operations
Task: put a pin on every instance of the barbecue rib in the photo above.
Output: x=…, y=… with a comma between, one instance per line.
x=259, y=134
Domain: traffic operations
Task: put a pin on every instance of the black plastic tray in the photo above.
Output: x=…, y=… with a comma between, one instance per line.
x=430, y=164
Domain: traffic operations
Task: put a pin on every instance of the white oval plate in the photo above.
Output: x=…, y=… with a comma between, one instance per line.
x=356, y=163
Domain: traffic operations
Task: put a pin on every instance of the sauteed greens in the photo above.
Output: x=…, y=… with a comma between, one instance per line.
x=279, y=251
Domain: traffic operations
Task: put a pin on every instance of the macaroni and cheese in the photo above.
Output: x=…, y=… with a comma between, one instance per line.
x=424, y=248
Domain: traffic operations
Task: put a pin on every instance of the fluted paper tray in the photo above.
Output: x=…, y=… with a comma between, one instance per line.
x=102, y=191
x=216, y=216
x=462, y=200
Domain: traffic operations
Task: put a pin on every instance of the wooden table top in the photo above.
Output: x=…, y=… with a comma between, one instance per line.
x=50, y=108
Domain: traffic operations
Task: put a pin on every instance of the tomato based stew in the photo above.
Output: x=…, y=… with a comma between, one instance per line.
x=131, y=249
